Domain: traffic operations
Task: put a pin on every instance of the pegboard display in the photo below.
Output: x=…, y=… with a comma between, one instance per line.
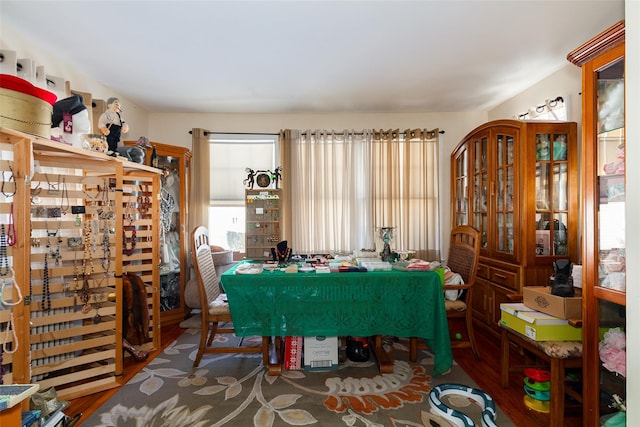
x=81, y=225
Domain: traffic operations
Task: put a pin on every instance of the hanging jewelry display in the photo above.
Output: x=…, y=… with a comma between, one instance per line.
x=4, y=259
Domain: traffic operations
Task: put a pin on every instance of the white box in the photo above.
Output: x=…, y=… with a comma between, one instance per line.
x=320, y=353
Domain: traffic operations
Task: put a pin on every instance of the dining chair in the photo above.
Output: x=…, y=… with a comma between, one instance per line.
x=464, y=252
x=214, y=306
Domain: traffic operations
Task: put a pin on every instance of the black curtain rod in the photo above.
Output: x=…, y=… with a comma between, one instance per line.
x=207, y=133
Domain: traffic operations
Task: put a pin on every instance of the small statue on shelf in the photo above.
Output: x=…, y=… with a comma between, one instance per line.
x=112, y=125
x=250, y=179
x=277, y=176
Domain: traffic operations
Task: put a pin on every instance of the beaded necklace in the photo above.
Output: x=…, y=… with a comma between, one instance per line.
x=46, y=294
x=4, y=259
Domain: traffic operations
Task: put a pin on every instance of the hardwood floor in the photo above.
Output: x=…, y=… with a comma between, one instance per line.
x=485, y=372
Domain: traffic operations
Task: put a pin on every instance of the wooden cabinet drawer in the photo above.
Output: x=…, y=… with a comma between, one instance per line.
x=503, y=278
x=483, y=271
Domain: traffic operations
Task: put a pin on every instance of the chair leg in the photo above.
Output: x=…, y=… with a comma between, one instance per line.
x=212, y=333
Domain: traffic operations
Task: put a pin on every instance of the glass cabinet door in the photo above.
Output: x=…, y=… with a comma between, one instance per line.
x=504, y=205
x=552, y=192
x=611, y=178
x=480, y=190
x=461, y=179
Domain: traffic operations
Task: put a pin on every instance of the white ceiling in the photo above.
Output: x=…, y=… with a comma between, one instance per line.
x=313, y=56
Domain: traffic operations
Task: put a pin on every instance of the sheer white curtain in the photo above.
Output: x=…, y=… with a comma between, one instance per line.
x=344, y=185
x=405, y=178
x=331, y=193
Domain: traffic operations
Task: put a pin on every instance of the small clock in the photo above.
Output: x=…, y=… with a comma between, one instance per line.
x=263, y=180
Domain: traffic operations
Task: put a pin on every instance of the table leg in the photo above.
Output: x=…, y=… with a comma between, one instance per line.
x=384, y=362
x=557, y=393
x=275, y=356
x=504, y=360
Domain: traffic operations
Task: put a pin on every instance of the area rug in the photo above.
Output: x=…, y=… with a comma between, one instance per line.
x=235, y=390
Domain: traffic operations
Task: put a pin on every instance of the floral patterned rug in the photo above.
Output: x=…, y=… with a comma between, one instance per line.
x=235, y=390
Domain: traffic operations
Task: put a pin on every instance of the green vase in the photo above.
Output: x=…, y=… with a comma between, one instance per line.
x=619, y=419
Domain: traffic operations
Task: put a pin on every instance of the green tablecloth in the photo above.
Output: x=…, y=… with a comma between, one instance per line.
x=397, y=303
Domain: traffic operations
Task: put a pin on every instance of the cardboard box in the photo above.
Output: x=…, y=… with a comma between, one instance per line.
x=540, y=298
x=537, y=325
x=320, y=353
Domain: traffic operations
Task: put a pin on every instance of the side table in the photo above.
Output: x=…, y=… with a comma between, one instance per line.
x=558, y=355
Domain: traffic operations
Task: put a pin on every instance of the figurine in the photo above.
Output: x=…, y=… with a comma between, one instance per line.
x=112, y=125
x=277, y=175
x=250, y=178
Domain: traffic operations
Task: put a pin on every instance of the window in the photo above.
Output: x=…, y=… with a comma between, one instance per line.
x=230, y=156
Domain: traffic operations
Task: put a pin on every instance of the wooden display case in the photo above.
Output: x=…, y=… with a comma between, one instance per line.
x=62, y=211
x=262, y=222
x=603, y=188
x=174, y=161
x=516, y=182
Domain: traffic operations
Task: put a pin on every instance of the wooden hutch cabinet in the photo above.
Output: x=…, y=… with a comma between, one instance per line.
x=603, y=188
x=174, y=236
x=516, y=182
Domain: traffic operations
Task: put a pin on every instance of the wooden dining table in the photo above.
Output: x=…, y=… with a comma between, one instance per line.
x=364, y=304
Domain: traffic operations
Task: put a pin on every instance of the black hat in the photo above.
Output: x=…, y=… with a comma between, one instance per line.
x=72, y=105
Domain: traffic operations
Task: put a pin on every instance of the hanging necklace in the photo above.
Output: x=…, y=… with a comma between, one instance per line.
x=10, y=333
x=106, y=248
x=143, y=200
x=15, y=286
x=4, y=259
x=125, y=247
x=12, y=237
x=64, y=208
x=35, y=194
x=53, y=188
x=283, y=256
x=15, y=187
x=46, y=295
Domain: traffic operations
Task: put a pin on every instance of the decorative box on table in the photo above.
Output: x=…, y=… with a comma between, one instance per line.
x=537, y=325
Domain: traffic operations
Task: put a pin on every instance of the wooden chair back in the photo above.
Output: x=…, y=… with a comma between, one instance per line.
x=204, y=267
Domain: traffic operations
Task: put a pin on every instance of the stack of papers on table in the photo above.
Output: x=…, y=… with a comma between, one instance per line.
x=374, y=265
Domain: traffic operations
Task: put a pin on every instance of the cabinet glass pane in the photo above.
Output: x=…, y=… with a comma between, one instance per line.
x=551, y=194
x=611, y=176
x=480, y=184
x=612, y=359
x=169, y=234
x=505, y=193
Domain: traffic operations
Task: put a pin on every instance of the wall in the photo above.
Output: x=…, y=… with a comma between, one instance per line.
x=135, y=116
x=632, y=81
